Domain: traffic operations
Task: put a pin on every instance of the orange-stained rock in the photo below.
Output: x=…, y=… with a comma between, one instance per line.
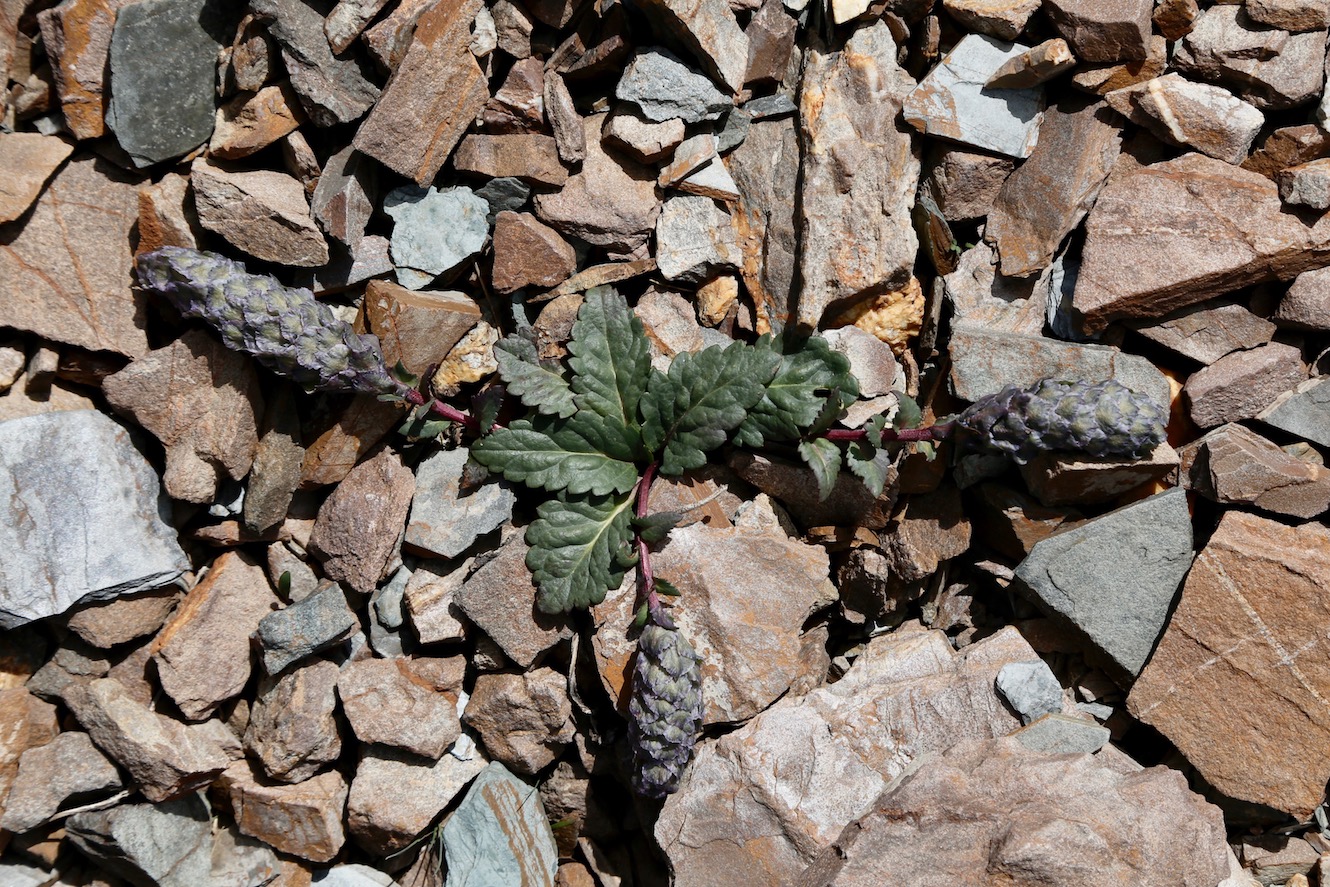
x=77, y=37
x=359, y=526
x=253, y=121
x=529, y=253
x=303, y=820
x=338, y=445
x=417, y=327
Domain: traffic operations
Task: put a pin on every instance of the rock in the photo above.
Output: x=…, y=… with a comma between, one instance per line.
x=771, y=35
x=167, y=216
x=202, y=655
x=1290, y=15
x=87, y=522
x=1242, y=384
x=1054, y=819
x=1303, y=412
x=246, y=64
x=1208, y=118
x=26, y=722
x=407, y=703
x=278, y=462
x=1120, y=605
x=504, y=194
x=163, y=844
x=119, y=621
x=925, y=530
x=434, y=231
x=499, y=834
x=1060, y=734
x=1012, y=522
x=429, y=599
x=1174, y=19
x=529, y=253
x=434, y=94
x=565, y=121
x=531, y=157
x=793, y=484
x=695, y=239
x=304, y=819
x=304, y=628
x=709, y=30
x=68, y=766
x=237, y=859
x=1037, y=65
x=30, y=159
x=332, y=89
x=357, y=531
x=647, y=142
x=389, y=39
x=952, y=102
x=65, y=272
x=1072, y=479
x=1099, y=31
x=292, y=729
x=77, y=38
x=1030, y=688
x=1003, y=19
x=1234, y=466
x=252, y=122
x=201, y=400
x=1104, y=79
x=344, y=197
x=260, y=212
x=759, y=802
x=163, y=61
x=500, y=599
x=395, y=796
x=1288, y=146
x=1046, y=198
x=1307, y=184
x=670, y=324
x=347, y=19
x=1180, y=240
x=609, y=202
x=857, y=237
x=751, y=638
x=470, y=360
x=982, y=298
x=1276, y=859
x=664, y=89
x=691, y=155
x=1306, y=304
x=1208, y=331
x=353, y=875
x=418, y=328
x=443, y=521
x=524, y=720
x=716, y=298
x=765, y=170
x=1273, y=69
x=1250, y=605
x=165, y=758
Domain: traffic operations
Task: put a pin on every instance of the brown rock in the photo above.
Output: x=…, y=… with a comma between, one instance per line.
x=1208, y=118
x=1096, y=820
x=339, y=444
x=107, y=624
x=395, y=796
x=965, y=183
x=29, y=159
x=644, y=140
x=418, y=327
x=528, y=156
x=1069, y=479
x=1036, y=65
x=1208, y=331
x=770, y=32
x=278, y=461
x=1273, y=68
x=303, y=820
x=1003, y=19
x=261, y=212
x=292, y=728
x=514, y=26
x=253, y=56
x=347, y=19
x=407, y=703
x=710, y=32
x=203, y=653
x=519, y=104
x=524, y=720
x=1012, y=522
x=300, y=161
x=1234, y=466
x=252, y=122
x=65, y=271
x=528, y=253
x=849, y=504
x=1242, y=384
x=359, y=526
x=500, y=599
x=77, y=37
x=1174, y=18
x=1306, y=305
x=343, y=198
x=429, y=600
x=691, y=155
x=1239, y=666
x=565, y=122
x=434, y=94
x=1172, y=234
x=201, y=400
x=1290, y=15
x=332, y=89
x=1103, y=30
x=166, y=215
x=1046, y=198
x=924, y=531
x=68, y=766
x=389, y=38
x=1307, y=184
x=670, y=325
x=25, y=722
x=766, y=170
x=610, y=272
x=1103, y=79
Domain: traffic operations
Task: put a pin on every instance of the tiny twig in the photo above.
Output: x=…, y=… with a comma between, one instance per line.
x=940, y=431
x=95, y=805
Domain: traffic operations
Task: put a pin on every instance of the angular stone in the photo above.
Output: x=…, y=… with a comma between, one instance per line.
x=253, y=57
x=416, y=327
x=1208, y=118
x=292, y=729
x=429, y=600
x=167, y=216
x=1003, y=19
x=1244, y=639
x=964, y=183
x=77, y=38
x=952, y=102
x=1242, y=384
x=1071, y=479
x=434, y=231
x=1304, y=412
x=260, y=212
x=1174, y=19
x=470, y=360
x=163, y=61
x=1030, y=688
x=1157, y=240
x=357, y=531
x=1060, y=734
x=709, y=30
x=565, y=121
x=66, y=269
x=1273, y=69
x=695, y=239
x=1306, y=305
x=849, y=504
x=444, y=522
x=332, y=89
x=648, y=142
x=499, y=834
x=1054, y=819
x=524, y=720
x=691, y=155
x=304, y=819
x=1046, y=198
x=1104, y=79
x=1208, y=331
x=277, y=464
x=395, y=796
x=1290, y=15
x=529, y=253
x=1035, y=66
x=202, y=654
x=758, y=803
x=86, y=520
x=1234, y=466
x=771, y=35
x=251, y=122
x=1307, y=184
x=348, y=19
x=766, y=170
x=670, y=323
x=1103, y=30
x=857, y=237
x=26, y=722
x=434, y=94
x=343, y=199
x=163, y=844
x=1120, y=605
x=531, y=157
x=109, y=624
x=664, y=89
x=29, y=159
x=1012, y=523
x=201, y=400
x=406, y=703
x=68, y=766
x=500, y=599
x=304, y=628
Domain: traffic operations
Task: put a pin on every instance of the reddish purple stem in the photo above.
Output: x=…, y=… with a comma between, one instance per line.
x=452, y=414
x=647, y=589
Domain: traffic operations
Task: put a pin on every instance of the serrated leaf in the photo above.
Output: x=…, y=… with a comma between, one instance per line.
x=666, y=587
x=656, y=527
x=870, y=464
x=874, y=428
x=579, y=549
x=793, y=398
x=833, y=410
x=643, y=612
x=538, y=385
x=705, y=396
x=580, y=454
x=927, y=448
x=824, y=457
x=908, y=414
x=485, y=406
x=611, y=358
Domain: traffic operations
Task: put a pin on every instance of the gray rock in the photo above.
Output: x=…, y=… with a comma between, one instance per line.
x=241, y=860
x=711, y=33
x=343, y=200
x=18, y=874
x=500, y=599
x=445, y=522
x=505, y=194
x=499, y=835
x=665, y=88
x=292, y=729
x=1272, y=69
x=1119, y=603
x=1059, y=734
x=1030, y=688
x=1304, y=411
x=695, y=238
x=167, y=845
x=434, y=231
x=396, y=795
x=735, y=129
x=163, y=67
x=49, y=775
x=1208, y=331
x=770, y=106
x=386, y=614
x=353, y=875
x=871, y=359
x=982, y=298
x=766, y=170
x=85, y=520
x=305, y=627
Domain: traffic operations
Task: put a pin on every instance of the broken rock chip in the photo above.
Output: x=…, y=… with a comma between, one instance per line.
x=766, y=171
x=1003, y=19
x=28, y=723
x=407, y=703
x=252, y=122
x=1307, y=184
x=524, y=720
x=357, y=531
x=108, y=624
x=1036, y=65
x=1103, y=30
x=332, y=89
x=1242, y=384
x=1208, y=331
x=417, y=327
x=499, y=834
x=306, y=627
x=500, y=599
x=434, y=231
x=304, y=819
x=695, y=239
x=29, y=159
x=1233, y=466
x=69, y=766
x=77, y=39
x=529, y=253
x=86, y=516
x=665, y=89
x=169, y=844
x=445, y=521
x=710, y=32
x=1272, y=68
x=292, y=728
x=261, y=212
x=648, y=142
x=531, y=157
x=1198, y=115
x=1240, y=664
x=395, y=796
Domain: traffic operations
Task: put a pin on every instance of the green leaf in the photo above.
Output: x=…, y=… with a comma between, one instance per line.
x=706, y=395
x=539, y=385
x=793, y=398
x=643, y=612
x=874, y=427
x=908, y=414
x=870, y=464
x=927, y=448
x=421, y=424
x=610, y=357
x=485, y=407
x=284, y=584
x=656, y=527
x=833, y=410
x=580, y=454
x=824, y=457
x=579, y=549
x=667, y=588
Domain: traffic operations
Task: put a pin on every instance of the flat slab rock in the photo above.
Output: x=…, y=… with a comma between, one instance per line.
x=85, y=516
x=445, y=521
x=499, y=834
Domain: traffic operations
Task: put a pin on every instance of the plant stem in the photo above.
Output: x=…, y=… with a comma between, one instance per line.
x=940, y=431
x=452, y=414
x=646, y=589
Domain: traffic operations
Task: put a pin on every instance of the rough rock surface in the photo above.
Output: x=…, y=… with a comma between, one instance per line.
x=445, y=520
x=30, y=159
x=524, y=720
x=499, y=598
x=292, y=727
x=1273, y=68
x=408, y=703
x=499, y=834
x=1242, y=384
x=395, y=796
x=1233, y=465
x=165, y=844
x=263, y=213
x=69, y=766
x=304, y=819
x=357, y=531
